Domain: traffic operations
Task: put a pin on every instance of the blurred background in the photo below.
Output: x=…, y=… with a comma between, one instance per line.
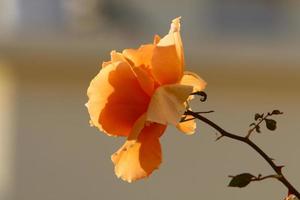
x=247, y=50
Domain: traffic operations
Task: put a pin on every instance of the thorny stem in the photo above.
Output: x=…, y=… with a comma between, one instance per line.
x=277, y=169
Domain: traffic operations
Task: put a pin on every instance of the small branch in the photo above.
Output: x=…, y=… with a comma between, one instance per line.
x=257, y=125
x=246, y=140
x=260, y=177
x=205, y=112
x=185, y=120
x=270, y=123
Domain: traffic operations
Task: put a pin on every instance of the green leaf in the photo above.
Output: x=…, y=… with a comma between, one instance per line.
x=257, y=129
x=271, y=124
x=276, y=112
x=258, y=116
x=241, y=180
x=252, y=124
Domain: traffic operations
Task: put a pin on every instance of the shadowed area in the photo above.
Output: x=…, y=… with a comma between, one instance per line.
x=126, y=101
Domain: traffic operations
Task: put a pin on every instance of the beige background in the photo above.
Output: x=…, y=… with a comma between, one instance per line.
x=51, y=153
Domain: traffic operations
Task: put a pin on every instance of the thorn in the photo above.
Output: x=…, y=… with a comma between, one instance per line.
x=280, y=167
x=218, y=138
x=259, y=176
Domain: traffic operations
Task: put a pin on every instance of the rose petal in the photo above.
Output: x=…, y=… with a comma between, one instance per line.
x=291, y=197
x=137, y=159
x=192, y=79
x=141, y=56
x=116, y=56
x=168, y=60
x=166, y=66
x=140, y=61
x=116, y=99
x=175, y=29
x=145, y=80
x=156, y=39
x=104, y=64
x=187, y=127
x=167, y=103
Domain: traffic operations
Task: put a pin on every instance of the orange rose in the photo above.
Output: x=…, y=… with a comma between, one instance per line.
x=137, y=94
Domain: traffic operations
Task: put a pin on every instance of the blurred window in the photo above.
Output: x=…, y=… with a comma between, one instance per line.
x=124, y=15
x=9, y=13
x=40, y=15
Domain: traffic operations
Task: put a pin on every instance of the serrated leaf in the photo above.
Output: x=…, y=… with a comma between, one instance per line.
x=241, y=180
x=276, y=112
x=258, y=116
x=271, y=124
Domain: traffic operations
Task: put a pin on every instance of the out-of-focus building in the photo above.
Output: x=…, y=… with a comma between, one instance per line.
x=247, y=50
x=212, y=25
x=7, y=131
x=9, y=11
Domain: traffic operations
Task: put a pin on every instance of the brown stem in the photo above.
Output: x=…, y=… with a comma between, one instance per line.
x=277, y=169
x=260, y=178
